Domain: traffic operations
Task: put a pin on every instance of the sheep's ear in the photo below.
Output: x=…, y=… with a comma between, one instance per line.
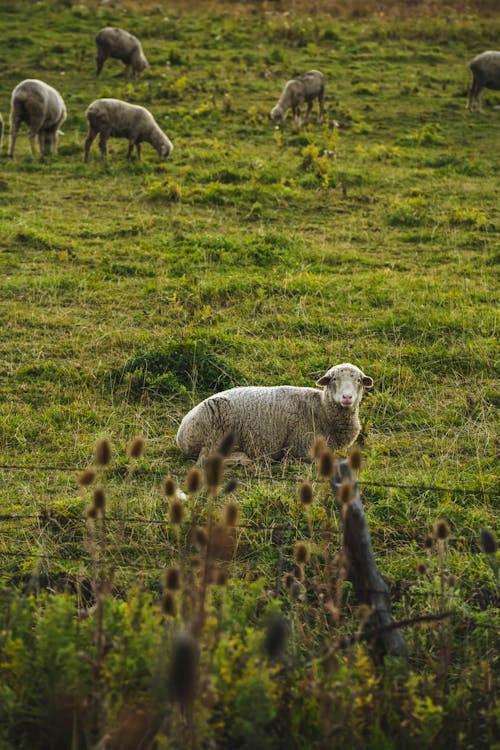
x=324, y=380
x=367, y=381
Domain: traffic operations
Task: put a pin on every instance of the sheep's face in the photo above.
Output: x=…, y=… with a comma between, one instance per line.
x=165, y=150
x=276, y=115
x=344, y=384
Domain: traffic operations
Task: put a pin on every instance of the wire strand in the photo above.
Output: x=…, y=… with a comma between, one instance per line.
x=265, y=478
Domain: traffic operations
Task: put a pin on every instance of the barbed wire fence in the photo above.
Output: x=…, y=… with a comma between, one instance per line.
x=38, y=546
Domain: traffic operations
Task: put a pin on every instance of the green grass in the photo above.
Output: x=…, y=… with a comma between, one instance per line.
x=253, y=255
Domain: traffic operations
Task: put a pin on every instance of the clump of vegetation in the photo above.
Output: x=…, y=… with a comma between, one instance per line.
x=473, y=218
x=428, y=135
x=165, y=190
x=174, y=370
x=409, y=212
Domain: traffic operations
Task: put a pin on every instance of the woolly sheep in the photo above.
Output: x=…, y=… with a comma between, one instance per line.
x=485, y=69
x=42, y=108
x=304, y=88
x=117, y=43
x=278, y=421
x=112, y=117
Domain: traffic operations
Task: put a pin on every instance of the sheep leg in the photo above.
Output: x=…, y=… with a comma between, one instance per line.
x=321, y=104
x=88, y=142
x=53, y=140
x=47, y=142
x=308, y=111
x=36, y=128
x=478, y=99
x=103, y=140
x=100, y=60
x=32, y=135
x=473, y=97
x=14, y=129
x=296, y=116
x=130, y=147
x=42, y=143
x=469, y=98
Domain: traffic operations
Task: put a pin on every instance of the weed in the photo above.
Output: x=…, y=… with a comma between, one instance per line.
x=174, y=370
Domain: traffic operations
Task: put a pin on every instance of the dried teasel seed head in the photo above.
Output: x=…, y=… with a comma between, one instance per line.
x=86, y=477
x=201, y=538
x=428, y=542
x=227, y=444
x=295, y=589
x=193, y=481
x=301, y=553
x=168, y=604
x=318, y=447
x=102, y=452
x=176, y=511
x=276, y=636
x=440, y=529
x=172, y=579
x=169, y=486
x=231, y=513
x=214, y=466
x=333, y=611
x=136, y=447
x=346, y=494
x=488, y=542
x=221, y=542
x=452, y=580
x=422, y=569
x=99, y=499
x=305, y=493
x=355, y=458
x=289, y=579
x=326, y=463
x=230, y=486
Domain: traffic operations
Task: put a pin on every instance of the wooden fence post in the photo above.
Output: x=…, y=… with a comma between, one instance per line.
x=369, y=586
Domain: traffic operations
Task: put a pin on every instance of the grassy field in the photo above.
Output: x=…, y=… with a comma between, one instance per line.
x=257, y=255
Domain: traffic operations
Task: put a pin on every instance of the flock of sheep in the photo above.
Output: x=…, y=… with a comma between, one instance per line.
x=279, y=421
x=42, y=108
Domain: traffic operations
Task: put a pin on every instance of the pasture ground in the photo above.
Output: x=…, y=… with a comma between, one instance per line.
x=256, y=255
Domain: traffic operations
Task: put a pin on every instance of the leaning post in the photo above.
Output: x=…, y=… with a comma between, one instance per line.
x=370, y=588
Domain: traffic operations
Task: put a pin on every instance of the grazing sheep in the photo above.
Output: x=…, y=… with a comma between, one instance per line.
x=485, y=69
x=114, y=42
x=112, y=117
x=42, y=108
x=278, y=421
x=304, y=88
